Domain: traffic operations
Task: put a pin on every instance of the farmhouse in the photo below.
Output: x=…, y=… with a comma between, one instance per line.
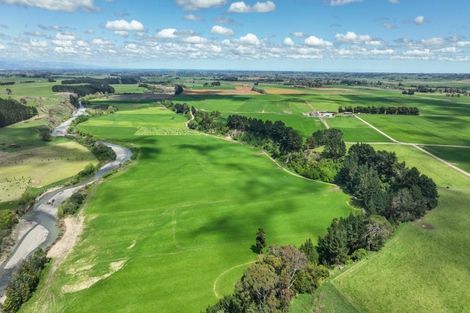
x=321, y=114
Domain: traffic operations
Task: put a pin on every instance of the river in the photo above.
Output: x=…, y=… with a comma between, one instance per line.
x=38, y=228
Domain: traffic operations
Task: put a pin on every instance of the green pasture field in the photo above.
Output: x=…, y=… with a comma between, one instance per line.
x=460, y=157
x=26, y=160
x=354, y=130
x=303, y=124
x=248, y=103
x=182, y=218
x=129, y=88
x=424, y=267
x=125, y=104
x=424, y=129
x=40, y=166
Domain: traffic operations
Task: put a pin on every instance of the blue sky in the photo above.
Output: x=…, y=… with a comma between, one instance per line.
x=309, y=35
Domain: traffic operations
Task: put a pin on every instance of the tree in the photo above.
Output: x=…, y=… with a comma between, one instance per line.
x=331, y=139
x=309, y=250
x=45, y=134
x=258, y=285
x=260, y=240
x=178, y=90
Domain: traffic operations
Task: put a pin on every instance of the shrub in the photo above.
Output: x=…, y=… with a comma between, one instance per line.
x=72, y=205
x=24, y=282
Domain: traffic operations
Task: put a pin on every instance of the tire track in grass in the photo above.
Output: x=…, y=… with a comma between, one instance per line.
x=416, y=146
x=214, y=287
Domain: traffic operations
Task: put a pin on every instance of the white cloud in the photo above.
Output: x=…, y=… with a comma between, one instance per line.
x=351, y=37
x=123, y=33
x=195, y=39
x=250, y=39
x=56, y=5
x=419, y=20
x=418, y=53
x=123, y=25
x=220, y=30
x=100, y=42
x=64, y=36
x=258, y=7
x=435, y=41
x=2, y=46
x=38, y=43
x=317, y=42
x=342, y=2
x=82, y=43
x=394, y=1
x=298, y=34
x=167, y=33
x=288, y=41
x=192, y=17
x=63, y=40
x=448, y=50
x=65, y=50
x=199, y=4
x=133, y=48
x=264, y=7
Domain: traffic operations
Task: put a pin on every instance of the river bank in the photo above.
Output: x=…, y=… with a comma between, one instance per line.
x=38, y=229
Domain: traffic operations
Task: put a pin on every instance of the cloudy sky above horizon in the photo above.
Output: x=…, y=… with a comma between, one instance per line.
x=310, y=35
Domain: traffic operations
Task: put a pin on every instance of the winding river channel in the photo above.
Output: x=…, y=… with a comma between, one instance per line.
x=39, y=228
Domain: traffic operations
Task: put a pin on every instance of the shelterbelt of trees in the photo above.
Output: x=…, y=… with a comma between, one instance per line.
x=12, y=111
x=102, y=81
x=403, y=110
x=83, y=90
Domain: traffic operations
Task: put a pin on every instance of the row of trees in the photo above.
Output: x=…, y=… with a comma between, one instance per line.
x=286, y=137
x=101, y=81
x=402, y=110
x=270, y=284
x=24, y=282
x=83, y=90
x=179, y=108
x=12, y=111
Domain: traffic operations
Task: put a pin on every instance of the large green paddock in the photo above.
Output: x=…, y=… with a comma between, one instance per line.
x=183, y=218
x=424, y=129
x=457, y=156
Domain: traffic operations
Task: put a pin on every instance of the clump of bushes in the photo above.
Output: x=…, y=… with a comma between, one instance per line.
x=24, y=282
x=71, y=206
x=8, y=219
x=350, y=238
x=102, y=152
x=209, y=122
x=272, y=282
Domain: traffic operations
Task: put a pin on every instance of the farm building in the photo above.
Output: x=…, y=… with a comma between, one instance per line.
x=321, y=114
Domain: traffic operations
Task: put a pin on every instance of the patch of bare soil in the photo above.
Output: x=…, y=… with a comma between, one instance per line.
x=73, y=229
x=239, y=90
x=87, y=282
x=424, y=225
